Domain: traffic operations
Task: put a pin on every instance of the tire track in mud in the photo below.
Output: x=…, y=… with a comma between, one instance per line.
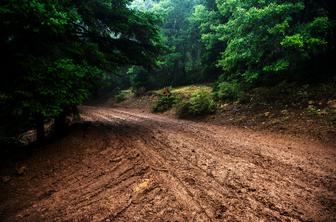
x=124, y=165
x=256, y=159
x=168, y=179
x=260, y=158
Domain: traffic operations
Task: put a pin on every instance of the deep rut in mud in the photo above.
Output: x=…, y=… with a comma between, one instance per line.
x=122, y=165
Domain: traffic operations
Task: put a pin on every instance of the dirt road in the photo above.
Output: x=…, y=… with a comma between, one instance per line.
x=124, y=165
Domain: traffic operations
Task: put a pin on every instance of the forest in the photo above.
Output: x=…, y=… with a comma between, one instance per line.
x=55, y=54
x=180, y=87
x=251, y=42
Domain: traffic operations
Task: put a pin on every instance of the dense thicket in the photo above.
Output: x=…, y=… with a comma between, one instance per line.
x=55, y=53
x=254, y=42
x=181, y=63
x=273, y=40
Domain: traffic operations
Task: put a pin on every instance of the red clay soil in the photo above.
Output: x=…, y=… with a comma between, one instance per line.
x=124, y=165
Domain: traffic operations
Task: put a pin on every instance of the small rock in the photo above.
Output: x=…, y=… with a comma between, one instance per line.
x=267, y=114
x=243, y=190
x=284, y=112
x=225, y=107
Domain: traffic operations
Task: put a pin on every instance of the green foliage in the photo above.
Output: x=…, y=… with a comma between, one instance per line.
x=250, y=41
x=63, y=82
x=120, y=97
x=200, y=103
x=164, y=103
x=139, y=79
x=183, y=110
x=268, y=39
x=55, y=53
x=227, y=91
x=182, y=62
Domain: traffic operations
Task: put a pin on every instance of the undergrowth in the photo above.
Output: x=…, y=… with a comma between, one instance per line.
x=164, y=103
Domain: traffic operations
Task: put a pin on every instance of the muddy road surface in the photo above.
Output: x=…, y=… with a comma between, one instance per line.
x=127, y=165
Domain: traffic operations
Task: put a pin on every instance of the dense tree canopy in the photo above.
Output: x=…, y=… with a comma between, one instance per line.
x=54, y=53
x=253, y=41
x=181, y=63
x=267, y=38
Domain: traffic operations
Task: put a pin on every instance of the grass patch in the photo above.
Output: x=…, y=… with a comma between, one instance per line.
x=186, y=91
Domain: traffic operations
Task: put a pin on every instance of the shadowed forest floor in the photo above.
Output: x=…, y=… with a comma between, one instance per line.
x=128, y=165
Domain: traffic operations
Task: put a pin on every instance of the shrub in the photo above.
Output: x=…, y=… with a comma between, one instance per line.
x=228, y=91
x=120, y=97
x=123, y=95
x=200, y=103
x=183, y=109
x=164, y=103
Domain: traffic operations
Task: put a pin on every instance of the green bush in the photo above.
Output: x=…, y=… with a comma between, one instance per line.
x=200, y=103
x=183, y=109
x=163, y=103
x=228, y=91
x=120, y=97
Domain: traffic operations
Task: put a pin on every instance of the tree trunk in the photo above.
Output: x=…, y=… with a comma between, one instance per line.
x=60, y=124
x=40, y=134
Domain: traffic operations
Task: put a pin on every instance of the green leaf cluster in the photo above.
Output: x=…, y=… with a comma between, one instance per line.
x=56, y=53
x=265, y=39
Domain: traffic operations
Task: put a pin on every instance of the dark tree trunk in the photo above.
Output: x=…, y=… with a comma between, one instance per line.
x=60, y=124
x=40, y=134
